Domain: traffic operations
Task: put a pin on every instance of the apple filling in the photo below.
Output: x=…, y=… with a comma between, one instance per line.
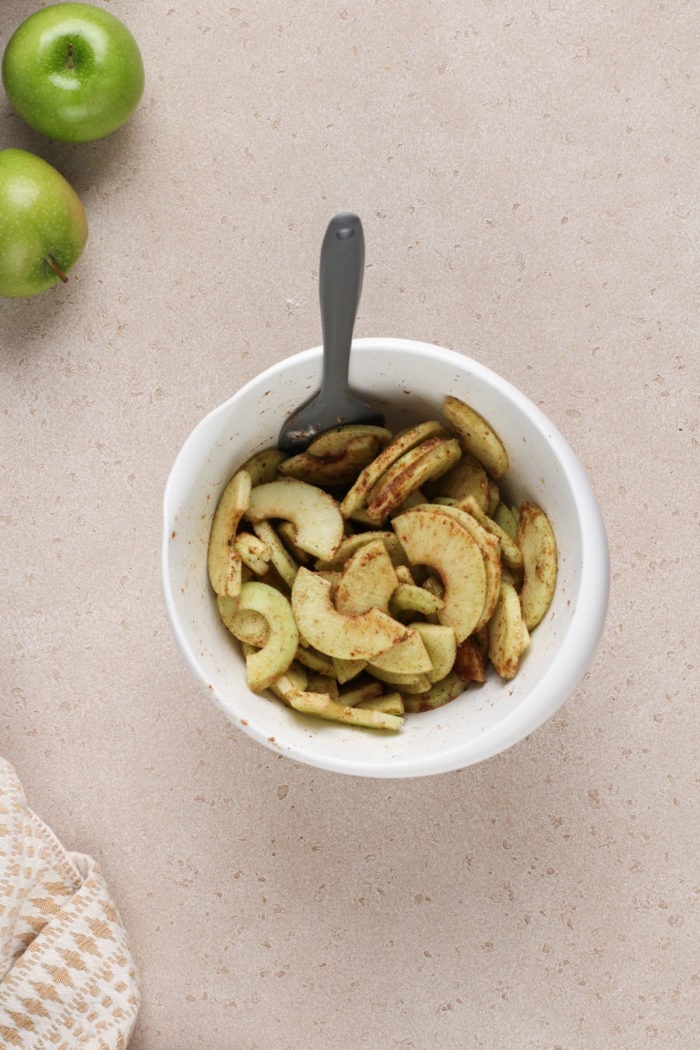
x=375, y=576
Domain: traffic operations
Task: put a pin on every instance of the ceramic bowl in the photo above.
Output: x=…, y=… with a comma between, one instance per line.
x=408, y=380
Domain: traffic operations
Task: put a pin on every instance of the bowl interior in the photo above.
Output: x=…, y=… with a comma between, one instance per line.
x=408, y=381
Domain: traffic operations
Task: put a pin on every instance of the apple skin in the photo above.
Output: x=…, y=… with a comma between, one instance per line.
x=41, y=216
x=73, y=72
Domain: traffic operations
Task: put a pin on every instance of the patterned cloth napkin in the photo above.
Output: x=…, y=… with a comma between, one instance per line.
x=67, y=977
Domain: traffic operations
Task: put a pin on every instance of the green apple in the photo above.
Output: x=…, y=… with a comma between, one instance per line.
x=43, y=228
x=73, y=72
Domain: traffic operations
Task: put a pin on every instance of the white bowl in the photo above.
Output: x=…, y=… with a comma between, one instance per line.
x=408, y=380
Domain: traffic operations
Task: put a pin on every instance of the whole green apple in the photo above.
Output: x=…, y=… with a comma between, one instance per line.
x=73, y=72
x=43, y=227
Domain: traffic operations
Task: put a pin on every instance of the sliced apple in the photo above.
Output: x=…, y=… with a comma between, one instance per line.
x=507, y=640
x=315, y=661
x=361, y=637
x=333, y=442
x=512, y=554
x=320, y=705
x=410, y=598
x=246, y=625
x=346, y=670
x=399, y=465
x=356, y=496
x=388, y=703
x=490, y=552
x=279, y=556
x=406, y=683
x=466, y=478
x=264, y=666
x=476, y=435
x=368, y=581
x=470, y=661
x=434, y=585
x=403, y=573
x=313, y=512
x=287, y=533
x=506, y=519
x=321, y=683
x=535, y=538
x=223, y=561
x=353, y=542
x=435, y=539
x=439, y=694
x=338, y=469
x=264, y=466
x=367, y=691
x=253, y=552
x=408, y=657
x=294, y=677
x=426, y=461
x=441, y=644
x=494, y=497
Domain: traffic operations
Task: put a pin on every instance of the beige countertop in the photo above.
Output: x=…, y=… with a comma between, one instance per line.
x=527, y=178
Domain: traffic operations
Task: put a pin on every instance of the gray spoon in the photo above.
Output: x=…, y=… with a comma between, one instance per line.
x=340, y=286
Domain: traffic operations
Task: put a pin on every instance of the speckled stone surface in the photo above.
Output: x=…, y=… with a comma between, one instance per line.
x=527, y=177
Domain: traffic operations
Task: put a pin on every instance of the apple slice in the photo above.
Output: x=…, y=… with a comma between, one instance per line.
x=368, y=690
x=406, y=683
x=287, y=533
x=315, y=661
x=490, y=552
x=361, y=637
x=410, y=598
x=246, y=625
x=368, y=581
x=465, y=478
x=254, y=553
x=435, y=539
x=399, y=465
x=356, y=496
x=294, y=677
x=441, y=644
x=507, y=639
x=223, y=560
x=320, y=705
x=279, y=557
x=266, y=665
x=439, y=694
x=388, y=703
x=535, y=538
x=506, y=519
x=476, y=435
x=338, y=469
x=470, y=661
x=319, y=683
x=408, y=657
x=333, y=442
x=352, y=543
x=428, y=460
x=346, y=670
x=264, y=466
x=313, y=512
x=512, y=555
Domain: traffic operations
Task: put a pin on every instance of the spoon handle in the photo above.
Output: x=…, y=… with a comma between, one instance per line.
x=340, y=286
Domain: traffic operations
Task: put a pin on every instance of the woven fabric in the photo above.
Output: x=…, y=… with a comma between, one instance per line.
x=67, y=976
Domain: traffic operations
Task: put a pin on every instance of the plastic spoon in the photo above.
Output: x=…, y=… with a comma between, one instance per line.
x=340, y=287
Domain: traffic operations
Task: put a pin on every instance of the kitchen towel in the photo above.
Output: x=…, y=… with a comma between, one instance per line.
x=67, y=976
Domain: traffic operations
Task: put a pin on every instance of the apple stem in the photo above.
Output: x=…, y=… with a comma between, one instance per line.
x=71, y=62
x=56, y=268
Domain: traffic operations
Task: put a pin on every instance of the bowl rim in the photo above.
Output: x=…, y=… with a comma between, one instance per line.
x=588, y=618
